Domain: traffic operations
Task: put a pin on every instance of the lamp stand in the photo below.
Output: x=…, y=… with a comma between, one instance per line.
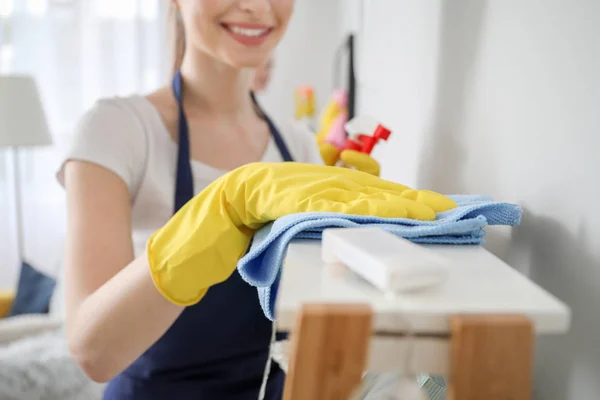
x=17, y=198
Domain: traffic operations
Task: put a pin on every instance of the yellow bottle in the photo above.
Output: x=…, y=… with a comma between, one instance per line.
x=304, y=102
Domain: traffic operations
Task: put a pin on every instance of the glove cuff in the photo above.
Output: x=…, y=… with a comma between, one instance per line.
x=197, y=248
x=170, y=279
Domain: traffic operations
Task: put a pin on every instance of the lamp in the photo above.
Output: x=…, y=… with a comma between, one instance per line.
x=22, y=124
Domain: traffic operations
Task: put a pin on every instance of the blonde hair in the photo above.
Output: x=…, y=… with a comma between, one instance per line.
x=177, y=37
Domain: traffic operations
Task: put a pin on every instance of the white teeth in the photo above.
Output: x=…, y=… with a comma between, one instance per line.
x=247, y=32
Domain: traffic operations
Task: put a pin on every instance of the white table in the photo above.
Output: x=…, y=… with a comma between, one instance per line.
x=479, y=283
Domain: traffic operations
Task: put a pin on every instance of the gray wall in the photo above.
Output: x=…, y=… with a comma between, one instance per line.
x=305, y=56
x=502, y=97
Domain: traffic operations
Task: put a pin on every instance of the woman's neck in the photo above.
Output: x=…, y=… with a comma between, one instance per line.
x=214, y=86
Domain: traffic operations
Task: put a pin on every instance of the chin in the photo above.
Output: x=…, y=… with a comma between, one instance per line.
x=237, y=60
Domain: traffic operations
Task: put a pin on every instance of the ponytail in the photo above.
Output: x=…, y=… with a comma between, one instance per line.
x=177, y=37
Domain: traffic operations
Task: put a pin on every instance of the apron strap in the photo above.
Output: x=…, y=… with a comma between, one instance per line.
x=283, y=150
x=184, y=183
x=184, y=180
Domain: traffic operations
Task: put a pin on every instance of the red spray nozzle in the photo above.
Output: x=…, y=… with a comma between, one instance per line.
x=359, y=139
x=369, y=142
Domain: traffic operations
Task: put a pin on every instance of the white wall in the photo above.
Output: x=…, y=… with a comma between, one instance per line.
x=305, y=56
x=397, y=67
x=502, y=97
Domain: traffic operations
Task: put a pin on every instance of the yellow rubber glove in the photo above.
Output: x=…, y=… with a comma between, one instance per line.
x=330, y=114
x=360, y=161
x=201, y=244
x=350, y=158
x=329, y=153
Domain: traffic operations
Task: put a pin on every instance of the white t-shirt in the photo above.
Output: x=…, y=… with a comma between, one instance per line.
x=127, y=136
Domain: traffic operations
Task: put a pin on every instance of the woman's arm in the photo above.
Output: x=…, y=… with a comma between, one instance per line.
x=114, y=312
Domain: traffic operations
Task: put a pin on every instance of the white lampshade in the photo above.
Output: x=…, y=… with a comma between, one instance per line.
x=22, y=118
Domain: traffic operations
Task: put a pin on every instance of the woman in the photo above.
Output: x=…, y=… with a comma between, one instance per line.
x=134, y=164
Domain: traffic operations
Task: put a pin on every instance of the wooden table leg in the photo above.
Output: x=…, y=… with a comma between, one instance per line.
x=491, y=358
x=329, y=351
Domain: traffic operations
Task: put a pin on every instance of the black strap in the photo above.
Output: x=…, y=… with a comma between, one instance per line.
x=351, y=79
x=184, y=182
x=283, y=150
x=349, y=46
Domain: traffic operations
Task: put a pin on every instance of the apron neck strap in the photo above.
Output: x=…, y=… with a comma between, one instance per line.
x=283, y=150
x=184, y=181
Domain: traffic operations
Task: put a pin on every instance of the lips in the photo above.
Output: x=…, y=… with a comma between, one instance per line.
x=248, y=34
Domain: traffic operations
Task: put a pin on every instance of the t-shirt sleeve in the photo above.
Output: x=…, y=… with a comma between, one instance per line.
x=110, y=135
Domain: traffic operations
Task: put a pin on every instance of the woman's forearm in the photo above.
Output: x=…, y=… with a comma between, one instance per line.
x=114, y=325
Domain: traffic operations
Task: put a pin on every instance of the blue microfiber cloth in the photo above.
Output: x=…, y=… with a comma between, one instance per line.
x=464, y=225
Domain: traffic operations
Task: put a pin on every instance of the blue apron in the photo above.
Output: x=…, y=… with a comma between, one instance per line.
x=216, y=349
